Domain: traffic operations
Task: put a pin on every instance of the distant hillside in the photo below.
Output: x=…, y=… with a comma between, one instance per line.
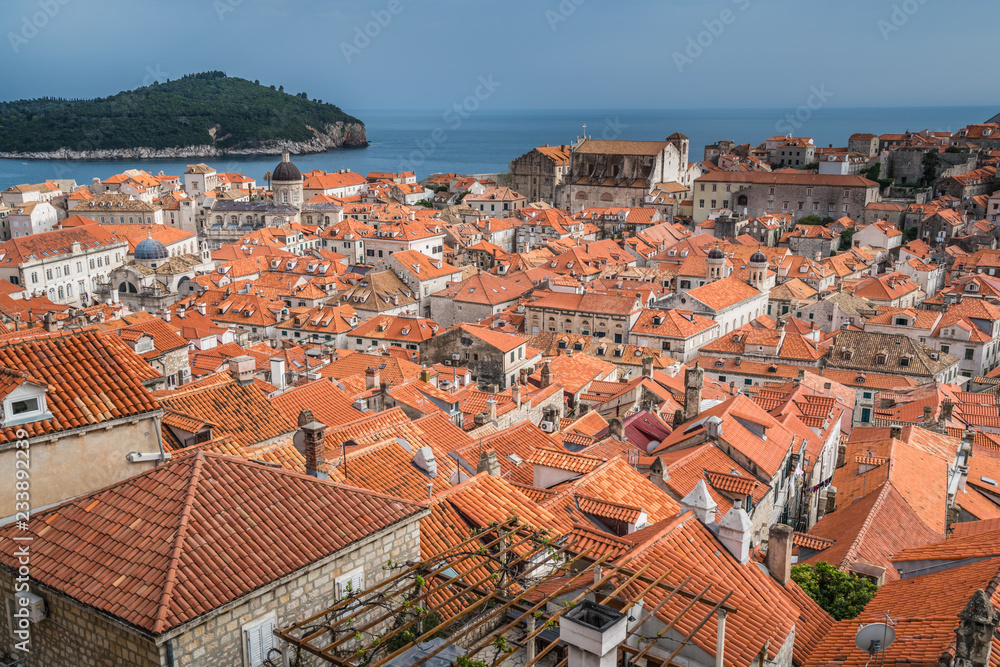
x=200, y=114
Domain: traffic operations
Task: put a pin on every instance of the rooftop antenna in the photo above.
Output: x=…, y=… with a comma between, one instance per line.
x=875, y=638
x=584, y=130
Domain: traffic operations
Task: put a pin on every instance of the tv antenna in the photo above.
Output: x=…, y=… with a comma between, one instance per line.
x=875, y=638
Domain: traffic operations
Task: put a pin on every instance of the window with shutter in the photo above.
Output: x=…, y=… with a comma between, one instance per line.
x=350, y=582
x=258, y=639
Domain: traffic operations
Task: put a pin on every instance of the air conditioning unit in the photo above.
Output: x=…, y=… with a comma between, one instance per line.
x=547, y=427
x=33, y=603
x=934, y=356
x=456, y=356
x=447, y=362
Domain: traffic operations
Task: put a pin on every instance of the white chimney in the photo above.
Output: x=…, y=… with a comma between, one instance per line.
x=424, y=459
x=242, y=368
x=734, y=532
x=700, y=502
x=593, y=633
x=278, y=373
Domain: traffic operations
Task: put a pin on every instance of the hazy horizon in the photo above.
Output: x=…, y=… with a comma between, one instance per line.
x=559, y=54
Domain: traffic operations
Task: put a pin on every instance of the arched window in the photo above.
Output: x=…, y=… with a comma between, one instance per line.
x=581, y=195
x=607, y=197
x=741, y=200
x=61, y=293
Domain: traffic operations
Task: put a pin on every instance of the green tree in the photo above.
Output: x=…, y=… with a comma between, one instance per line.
x=874, y=171
x=909, y=234
x=809, y=220
x=426, y=203
x=930, y=163
x=842, y=595
x=846, y=238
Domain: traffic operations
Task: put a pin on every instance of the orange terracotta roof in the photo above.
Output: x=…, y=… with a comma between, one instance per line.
x=169, y=545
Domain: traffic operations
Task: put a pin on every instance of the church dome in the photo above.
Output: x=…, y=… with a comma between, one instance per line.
x=758, y=258
x=715, y=253
x=150, y=249
x=285, y=171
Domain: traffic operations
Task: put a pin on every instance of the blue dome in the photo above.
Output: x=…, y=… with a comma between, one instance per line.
x=149, y=248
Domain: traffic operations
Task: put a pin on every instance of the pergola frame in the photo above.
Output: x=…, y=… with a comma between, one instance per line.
x=506, y=571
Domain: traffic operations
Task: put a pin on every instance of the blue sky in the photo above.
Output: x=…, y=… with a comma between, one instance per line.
x=542, y=54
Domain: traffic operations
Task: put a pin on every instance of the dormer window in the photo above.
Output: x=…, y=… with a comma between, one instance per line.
x=25, y=404
x=880, y=359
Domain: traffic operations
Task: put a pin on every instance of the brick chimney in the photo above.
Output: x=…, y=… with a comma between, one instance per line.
x=491, y=408
x=694, y=381
x=488, y=463
x=372, y=379
x=515, y=394
x=546, y=376
x=242, y=368
x=974, y=634
x=647, y=367
x=315, y=443
x=616, y=429
x=779, y=552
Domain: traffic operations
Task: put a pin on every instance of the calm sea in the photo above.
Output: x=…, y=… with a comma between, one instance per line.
x=484, y=142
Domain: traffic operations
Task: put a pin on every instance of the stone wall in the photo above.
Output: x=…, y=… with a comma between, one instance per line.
x=219, y=640
x=72, y=634
x=906, y=164
x=75, y=635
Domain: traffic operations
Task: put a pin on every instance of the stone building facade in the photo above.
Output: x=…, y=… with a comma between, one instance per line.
x=800, y=194
x=77, y=635
x=621, y=173
x=539, y=173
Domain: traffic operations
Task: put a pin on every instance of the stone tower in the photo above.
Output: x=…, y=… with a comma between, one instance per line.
x=694, y=380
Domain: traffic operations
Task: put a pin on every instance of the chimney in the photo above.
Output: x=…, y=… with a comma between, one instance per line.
x=735, y=532
x=49, y=322
x=593, y=633
x=315, y=444
x=947, y=407
x=647, y=367
x=424, y=459
x=480, y=419
x=779, y=552
x=515, y=394
x=371, y=379
x=694, y=380
x=524, y=376
x=488, y=463
x=831, y=499
x=896, y=432
x=928, y=417
x=242, y=368
x=841, y=455
x=700, y=502
x=658, y=473
x=166, y=315
x=491, y=409
x=616, y=429
x=546, y=375
x=714, y=427
x=974, y=634
x=201, y=308
x=425, y=375
x=278, y=373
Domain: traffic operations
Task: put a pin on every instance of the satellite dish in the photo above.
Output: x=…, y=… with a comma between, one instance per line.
x=875, y=637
